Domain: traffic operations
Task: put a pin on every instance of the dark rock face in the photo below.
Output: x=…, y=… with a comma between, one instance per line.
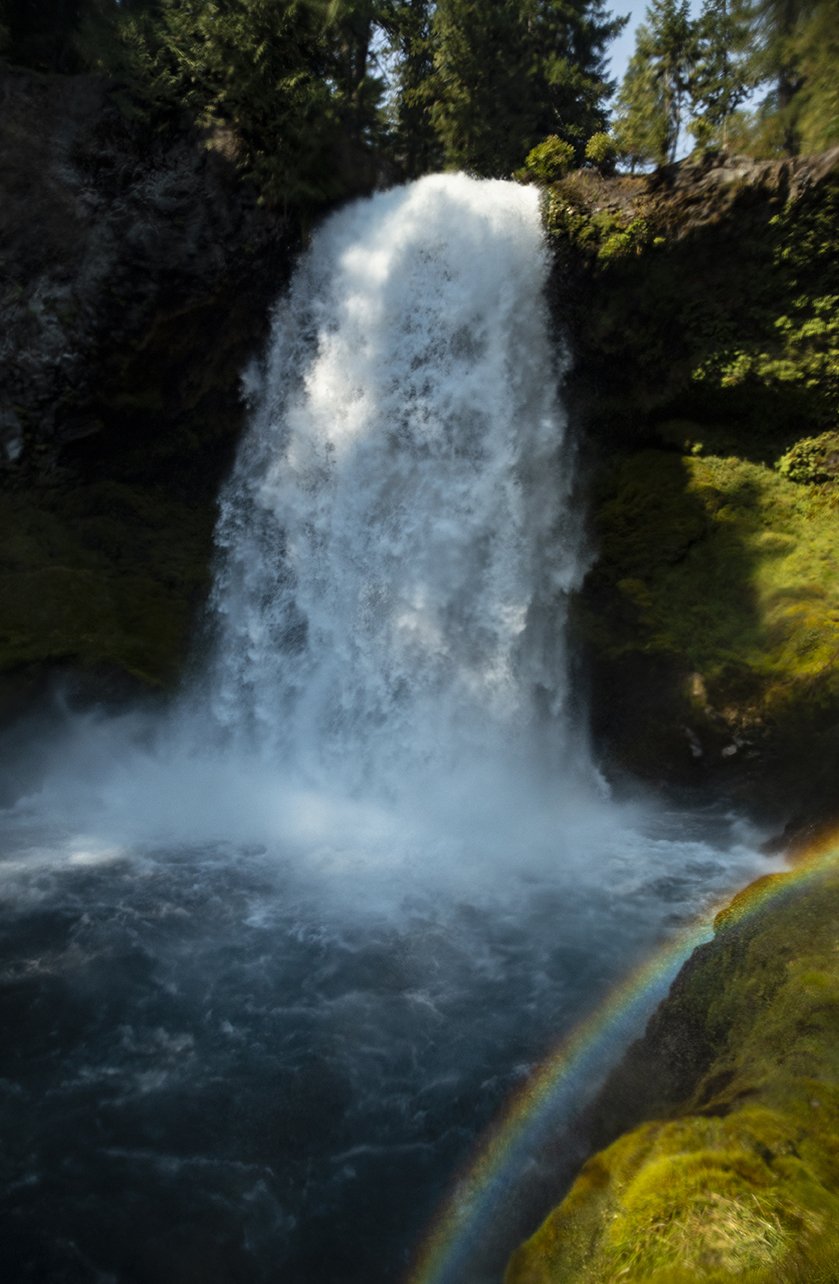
x=138, y=269
x=700, y=303
x=113, y=234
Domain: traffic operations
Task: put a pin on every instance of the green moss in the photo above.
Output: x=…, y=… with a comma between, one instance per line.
x=707, y=301
x=739, y=1178
x=727, y=565
x=104, y=576
x=603, y=233
x=714, y=607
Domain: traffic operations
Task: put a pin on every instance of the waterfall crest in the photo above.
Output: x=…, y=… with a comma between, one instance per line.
x=395, y=543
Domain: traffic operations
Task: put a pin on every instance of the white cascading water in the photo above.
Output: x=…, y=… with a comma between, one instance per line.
x=396, y=540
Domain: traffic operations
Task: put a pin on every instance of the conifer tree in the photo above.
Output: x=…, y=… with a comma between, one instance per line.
x=409, y=25
x=721, y=78
x=652, y=97
x=511, y=72
x=775, y=26
x=569, y=39
x=484, y=110
x=817, y=106
x=795, y=44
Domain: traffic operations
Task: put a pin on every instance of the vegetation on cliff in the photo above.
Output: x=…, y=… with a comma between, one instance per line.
x=729, y=1165
x=704, y=310
x=137, y=283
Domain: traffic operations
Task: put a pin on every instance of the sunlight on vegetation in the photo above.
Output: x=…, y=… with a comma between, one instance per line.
x=739, y=1180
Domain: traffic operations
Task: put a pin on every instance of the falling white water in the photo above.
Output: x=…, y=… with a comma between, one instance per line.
x=396, y=542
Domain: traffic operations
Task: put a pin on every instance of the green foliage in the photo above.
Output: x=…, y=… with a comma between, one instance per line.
x=790, y=50
x=720, y=79
x=548, y=161
x=571, y=216
x=817, y=100
x=568, y=40
x=410, y=31
x=512, y=72
x=652, y=97
x=795, y=350
x=289, y=80
x=707, y=69
x=483, y=111
x=812, y=461
x=734, y=1175
x=602, y=152
x=729, y=566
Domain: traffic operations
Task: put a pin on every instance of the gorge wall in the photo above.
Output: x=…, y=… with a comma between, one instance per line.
x=703, y=316
x=138, y=270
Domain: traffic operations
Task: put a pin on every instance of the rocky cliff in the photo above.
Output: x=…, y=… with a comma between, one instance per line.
x=703, y=307
x=137, y=273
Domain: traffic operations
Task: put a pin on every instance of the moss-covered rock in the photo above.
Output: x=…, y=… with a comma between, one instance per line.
x=729, y=1165
x=702, y=309
x=713, y=610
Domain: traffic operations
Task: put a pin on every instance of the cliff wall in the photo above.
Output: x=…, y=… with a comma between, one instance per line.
x=137, y=274
x=703, y=308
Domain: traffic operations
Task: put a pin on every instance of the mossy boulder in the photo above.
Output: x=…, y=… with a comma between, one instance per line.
x=728, y=1167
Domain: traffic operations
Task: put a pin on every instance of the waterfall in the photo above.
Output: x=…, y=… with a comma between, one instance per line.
x=396, y=543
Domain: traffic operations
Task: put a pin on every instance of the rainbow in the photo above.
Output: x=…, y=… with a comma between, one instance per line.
x=555, y=1090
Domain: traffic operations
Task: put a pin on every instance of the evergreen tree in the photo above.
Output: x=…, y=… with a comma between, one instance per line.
x=484, y=110
x=817, y=114
x=795, y=44
x=350, y=67
x=410, y=31
x=640, y=124
x=511, y=72
x=651, y=101
x=721, y=78
x=269, y=71
x=775, y=27
x=569, y=40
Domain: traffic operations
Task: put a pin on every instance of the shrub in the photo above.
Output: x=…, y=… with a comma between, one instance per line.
x=813, y=460
x=602, y=151
x=548, y=161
